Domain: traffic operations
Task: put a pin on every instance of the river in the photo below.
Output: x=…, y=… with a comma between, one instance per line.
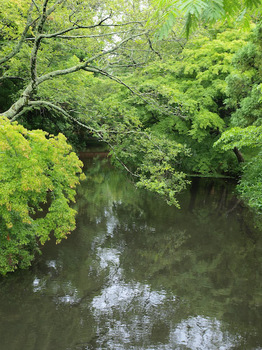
x=139, y=274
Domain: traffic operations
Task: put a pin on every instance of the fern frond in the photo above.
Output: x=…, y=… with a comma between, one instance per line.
x=193, y=7
x=252, y=3
x=167, y=26
x=194, y=11
x=190, y=24
x=214, y=10
x=245, y=20
x=231, y=7
x=167, y=13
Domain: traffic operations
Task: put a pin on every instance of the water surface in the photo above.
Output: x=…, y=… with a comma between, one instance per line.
x=139, y=274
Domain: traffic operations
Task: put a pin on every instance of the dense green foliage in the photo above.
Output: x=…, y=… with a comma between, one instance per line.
x=187, y=99
x=197, y=98
x=38, y=176
x=244, y=99
x=165, y=105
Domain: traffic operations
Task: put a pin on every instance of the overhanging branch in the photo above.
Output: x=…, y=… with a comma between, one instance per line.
x=84, y=65
x=148, y=101
x=116, y=79
x=10, y=77
x=98, y=133
x=41, y=103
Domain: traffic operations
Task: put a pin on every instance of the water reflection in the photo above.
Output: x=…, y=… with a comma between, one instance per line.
x=119, y=299
x=203, y=333
x=137, y=274
x=130, y=315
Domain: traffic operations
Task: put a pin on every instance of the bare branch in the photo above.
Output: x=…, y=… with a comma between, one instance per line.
x=116, y=65
x=102, y=72
x=149, y=101
x=36, y=6
x=59, y=34
x=11, y=78
x=84, y=65
x=53, y=35
x=98, y=133
x=23, y=111
x=123, y=24
x=20, y=103
x=37, y=43
x=178, y=40
x=52, y=8
x=59, y=109
x=105, y=19
x=76, y=26
x=45, y=13
x=151, y=47
x=91, y=36
x=120, y=161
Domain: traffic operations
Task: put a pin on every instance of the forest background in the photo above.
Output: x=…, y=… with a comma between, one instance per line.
x=172, y=88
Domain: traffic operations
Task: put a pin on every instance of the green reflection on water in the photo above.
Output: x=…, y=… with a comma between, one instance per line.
x=138, y=274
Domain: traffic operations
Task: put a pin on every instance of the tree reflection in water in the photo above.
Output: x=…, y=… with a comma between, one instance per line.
x=138, y=274
x=132, y=313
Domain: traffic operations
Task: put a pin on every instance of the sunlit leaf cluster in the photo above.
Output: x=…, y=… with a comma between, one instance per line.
x=38, y=177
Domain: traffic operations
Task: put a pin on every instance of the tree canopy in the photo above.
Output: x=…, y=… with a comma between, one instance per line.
x=167, y=105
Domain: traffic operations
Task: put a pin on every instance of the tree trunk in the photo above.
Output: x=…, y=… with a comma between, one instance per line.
x=239, y=155
x=20, y=103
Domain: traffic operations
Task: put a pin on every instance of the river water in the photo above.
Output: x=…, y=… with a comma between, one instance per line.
x=139, y=274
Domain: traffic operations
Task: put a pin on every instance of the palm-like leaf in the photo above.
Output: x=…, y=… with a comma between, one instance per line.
x=208, y=11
